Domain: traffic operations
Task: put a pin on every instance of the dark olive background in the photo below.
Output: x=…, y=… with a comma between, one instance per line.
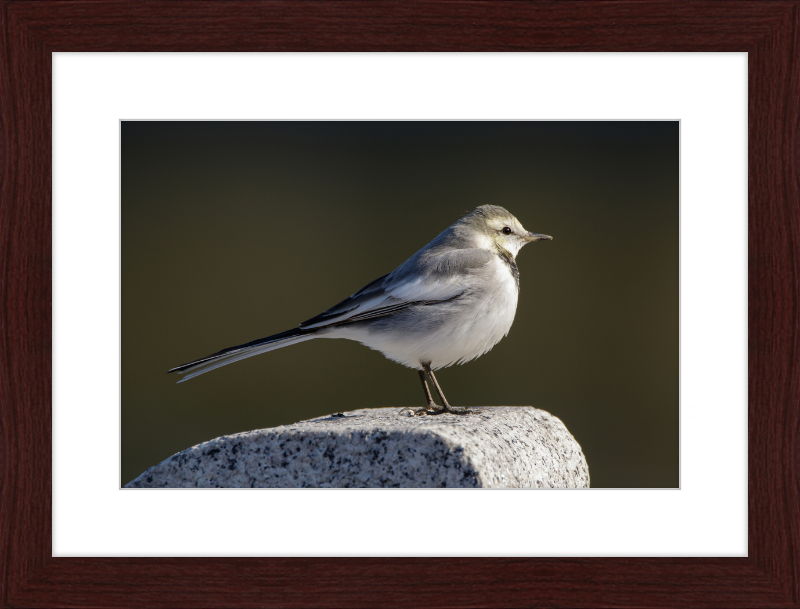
x=232, y=231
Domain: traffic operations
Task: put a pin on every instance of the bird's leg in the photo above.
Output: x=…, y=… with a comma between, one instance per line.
x=428, y=396
x=431, y=407
x=445, y=406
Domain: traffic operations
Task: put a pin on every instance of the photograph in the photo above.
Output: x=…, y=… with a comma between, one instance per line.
x=515, y=280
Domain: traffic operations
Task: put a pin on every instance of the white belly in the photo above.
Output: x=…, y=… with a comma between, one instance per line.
x=463, y=329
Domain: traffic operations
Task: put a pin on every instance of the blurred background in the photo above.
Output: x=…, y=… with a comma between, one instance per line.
x=233, y=231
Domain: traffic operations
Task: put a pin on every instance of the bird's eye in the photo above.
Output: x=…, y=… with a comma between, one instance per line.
x=506, y=230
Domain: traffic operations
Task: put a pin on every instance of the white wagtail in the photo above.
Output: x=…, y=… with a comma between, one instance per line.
x=449, y=303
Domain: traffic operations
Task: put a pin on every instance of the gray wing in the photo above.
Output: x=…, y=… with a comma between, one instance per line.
x=425, y=278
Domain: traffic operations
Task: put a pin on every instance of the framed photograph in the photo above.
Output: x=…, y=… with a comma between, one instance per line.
x=36, y=574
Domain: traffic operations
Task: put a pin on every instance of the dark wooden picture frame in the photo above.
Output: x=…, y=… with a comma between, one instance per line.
x=769, y=31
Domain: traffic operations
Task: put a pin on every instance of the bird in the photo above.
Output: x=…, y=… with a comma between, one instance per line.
x=449, y=303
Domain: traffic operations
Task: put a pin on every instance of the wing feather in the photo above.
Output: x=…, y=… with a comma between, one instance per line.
x=429, y=280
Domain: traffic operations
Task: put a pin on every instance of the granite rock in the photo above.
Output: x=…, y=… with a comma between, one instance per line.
x=498, y=447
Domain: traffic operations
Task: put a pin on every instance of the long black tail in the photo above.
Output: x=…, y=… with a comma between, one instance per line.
x=240, y=352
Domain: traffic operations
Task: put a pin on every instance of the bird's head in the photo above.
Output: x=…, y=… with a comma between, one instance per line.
x=495, y=226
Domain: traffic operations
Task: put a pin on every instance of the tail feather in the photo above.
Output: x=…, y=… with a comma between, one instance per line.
x=240, y=352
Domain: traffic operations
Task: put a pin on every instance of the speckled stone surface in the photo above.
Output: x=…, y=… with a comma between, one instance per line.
x=499, y=447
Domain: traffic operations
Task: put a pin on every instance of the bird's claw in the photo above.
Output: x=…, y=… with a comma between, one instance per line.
x=450, y=410
x=432, y=410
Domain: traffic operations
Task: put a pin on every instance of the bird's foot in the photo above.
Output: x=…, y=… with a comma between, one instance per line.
x=419, y=411
x=450, y=410
x=433, y=409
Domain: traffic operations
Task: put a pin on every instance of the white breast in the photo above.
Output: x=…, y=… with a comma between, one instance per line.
x=488, y=320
